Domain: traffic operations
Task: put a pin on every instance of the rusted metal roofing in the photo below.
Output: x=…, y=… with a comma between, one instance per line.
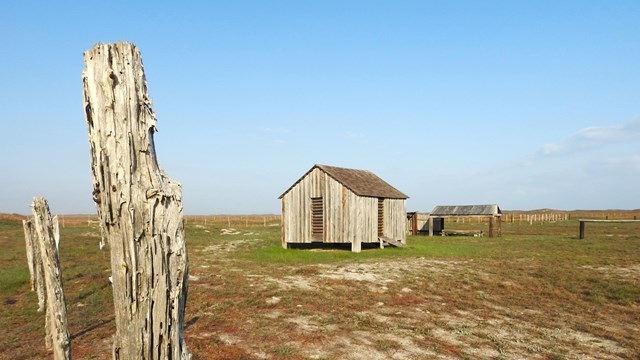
x=361, y=182
x=466, y=210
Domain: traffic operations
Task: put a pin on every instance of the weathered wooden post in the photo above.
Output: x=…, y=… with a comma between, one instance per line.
x=491, y=222
x=57, y=333
x=139, y=206
x=581, y=230
x=34, y=260
x=28, y=239
x=414, y=224
x=356, y=245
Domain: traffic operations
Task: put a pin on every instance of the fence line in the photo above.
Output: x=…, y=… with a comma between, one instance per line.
x=533, y=218
x=233, y=220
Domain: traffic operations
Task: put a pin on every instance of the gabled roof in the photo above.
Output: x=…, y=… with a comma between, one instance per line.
x=466, y=210
x=361, y=182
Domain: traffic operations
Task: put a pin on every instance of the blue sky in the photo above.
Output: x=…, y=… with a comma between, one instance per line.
x=527, y=104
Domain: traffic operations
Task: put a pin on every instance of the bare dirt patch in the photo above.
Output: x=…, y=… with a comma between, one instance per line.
x=461, y=320
x=629, y=272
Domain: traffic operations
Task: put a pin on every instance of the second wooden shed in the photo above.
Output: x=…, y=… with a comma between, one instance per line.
x=441, y=212
x=330, y=204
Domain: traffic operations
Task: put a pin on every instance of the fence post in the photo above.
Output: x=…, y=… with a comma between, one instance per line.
x=491, y=227
x=57, y=333
x=139, y=207
x=581, y=230
x=27, y=227
x=34, y=259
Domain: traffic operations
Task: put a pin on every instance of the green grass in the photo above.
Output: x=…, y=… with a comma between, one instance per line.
x=12, y=279
x=551, y=261
x=558, y=260
x=542, y=246
x=14, y=273
x=570, y=283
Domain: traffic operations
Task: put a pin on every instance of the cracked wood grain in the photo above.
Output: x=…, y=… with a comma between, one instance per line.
x=139, y=206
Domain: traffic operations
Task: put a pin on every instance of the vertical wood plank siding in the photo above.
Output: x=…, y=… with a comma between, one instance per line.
x=347, y=216
x=395, y=225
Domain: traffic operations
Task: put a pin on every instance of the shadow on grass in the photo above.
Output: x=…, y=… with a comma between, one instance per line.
x=92, y=327
x=330, y=246
x=88, y=293
x=192, y=321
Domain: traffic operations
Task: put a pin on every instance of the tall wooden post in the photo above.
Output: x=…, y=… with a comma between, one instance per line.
x=139, y=206
x=491, y=221
x=28, y=239
x=581, y=230
x=57, y=333
x=34, y=261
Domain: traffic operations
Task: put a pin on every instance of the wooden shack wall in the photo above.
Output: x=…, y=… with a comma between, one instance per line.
x=361, y=218
x=296, y=207
x=347, y=216
x=423, y=223
x=395, y=224
x=335, y=204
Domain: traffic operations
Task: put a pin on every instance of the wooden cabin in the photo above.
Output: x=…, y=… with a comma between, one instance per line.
x=441, y=212
x=338, y=205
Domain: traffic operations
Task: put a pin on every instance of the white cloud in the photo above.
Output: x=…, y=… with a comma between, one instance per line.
x=594, y=167
x=551, y=149
x=626, y=163
x=594, y=137
x=623, y=132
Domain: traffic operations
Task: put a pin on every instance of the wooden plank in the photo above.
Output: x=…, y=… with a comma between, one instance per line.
x=392, y=242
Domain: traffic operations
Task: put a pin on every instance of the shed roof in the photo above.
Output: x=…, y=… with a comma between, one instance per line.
x=361, y=182
x=466, y=210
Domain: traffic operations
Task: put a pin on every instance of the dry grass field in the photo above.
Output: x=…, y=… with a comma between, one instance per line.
x=538, y=292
